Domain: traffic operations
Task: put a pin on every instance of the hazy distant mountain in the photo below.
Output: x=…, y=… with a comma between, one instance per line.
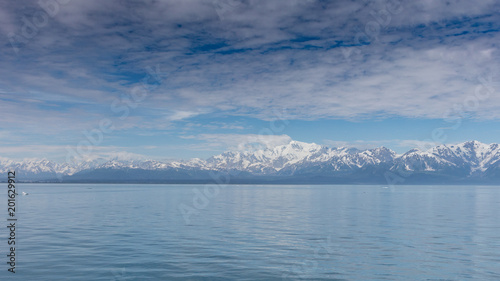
x=296, y=162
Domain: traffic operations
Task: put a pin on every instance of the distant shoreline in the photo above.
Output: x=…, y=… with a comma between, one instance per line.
x=258, y=183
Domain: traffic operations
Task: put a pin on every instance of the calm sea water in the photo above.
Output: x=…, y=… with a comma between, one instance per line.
x=245, y=232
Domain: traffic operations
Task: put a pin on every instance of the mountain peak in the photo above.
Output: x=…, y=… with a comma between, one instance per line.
x=473, y=143
x=298, y=145
x=469, y=159
x=411, y=151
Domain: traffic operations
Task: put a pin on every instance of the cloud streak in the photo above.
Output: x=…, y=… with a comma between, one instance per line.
x=248, y=58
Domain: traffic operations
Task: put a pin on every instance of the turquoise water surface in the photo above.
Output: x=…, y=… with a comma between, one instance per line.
x=254, y=232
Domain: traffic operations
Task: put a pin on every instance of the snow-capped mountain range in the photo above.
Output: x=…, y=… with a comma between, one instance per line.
x=294, y=162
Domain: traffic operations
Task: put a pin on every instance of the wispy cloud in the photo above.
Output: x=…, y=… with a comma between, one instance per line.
x=240, y=141
x=261, y=53
x=59, y=152
x=246, y=58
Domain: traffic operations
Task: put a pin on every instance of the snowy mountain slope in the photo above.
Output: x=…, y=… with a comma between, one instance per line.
x=466, y=160
x=471, y=158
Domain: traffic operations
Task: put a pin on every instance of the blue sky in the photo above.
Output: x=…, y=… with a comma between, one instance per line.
x=193, y=78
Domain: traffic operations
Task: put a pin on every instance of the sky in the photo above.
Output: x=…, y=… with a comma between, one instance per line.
x=193, y=78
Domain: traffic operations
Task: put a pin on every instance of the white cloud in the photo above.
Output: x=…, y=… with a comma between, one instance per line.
x=387, y=78
x=258, y=57
x=60, y=152
x=180, y=115
x=419, y=144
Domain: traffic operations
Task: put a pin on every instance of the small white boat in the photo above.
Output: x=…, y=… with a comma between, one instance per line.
x=24, y=193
